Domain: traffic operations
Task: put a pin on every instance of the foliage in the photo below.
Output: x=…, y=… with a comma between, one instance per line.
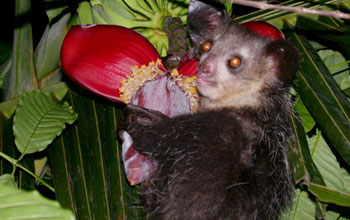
x=38, y=120
x=19, y=204
x=86, y=172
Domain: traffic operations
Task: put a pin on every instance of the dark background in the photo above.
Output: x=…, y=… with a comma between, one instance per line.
x=37, y=16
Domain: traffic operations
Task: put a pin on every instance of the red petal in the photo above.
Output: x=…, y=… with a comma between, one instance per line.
x=98, y=57
x=189, y=68
x=264, y=29
x=188, y=64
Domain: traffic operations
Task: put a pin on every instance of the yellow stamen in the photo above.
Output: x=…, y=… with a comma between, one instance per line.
x=138, y=77
x=174, y=73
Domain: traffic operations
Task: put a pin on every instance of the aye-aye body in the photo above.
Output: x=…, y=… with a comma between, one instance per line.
x=227, y=161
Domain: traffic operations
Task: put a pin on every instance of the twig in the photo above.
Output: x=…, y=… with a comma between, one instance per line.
x=16, y=164
x=36, y=177
x=301, y=10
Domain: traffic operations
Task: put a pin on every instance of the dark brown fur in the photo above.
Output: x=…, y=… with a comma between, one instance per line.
x=228, y=161
x=218, y=164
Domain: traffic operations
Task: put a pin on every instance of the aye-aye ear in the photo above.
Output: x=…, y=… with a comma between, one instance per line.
x=203, y=17
x=286, y=58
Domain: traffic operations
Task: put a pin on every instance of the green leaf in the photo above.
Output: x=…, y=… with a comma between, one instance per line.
x=58, y=90
x=305, y=116
x=346, y=179
x=303, y=207
x=322, y=96
x=38, y=120
x=332, y=216
x=8, y=180
x=331, y=20
x=321, y=212
x=55, y=8
x=22, y=77
x=327, y=163
x=326, y=31
x=299, y=156
x=47, y=54
x=345, y=85
x=327, y=195
x=332, y=59
x=228, y=6
x=21, y=205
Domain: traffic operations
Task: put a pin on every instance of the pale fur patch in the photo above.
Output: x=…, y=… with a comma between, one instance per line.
x=249, y=97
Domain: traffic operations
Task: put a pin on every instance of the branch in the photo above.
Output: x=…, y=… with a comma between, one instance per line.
x=300, y=10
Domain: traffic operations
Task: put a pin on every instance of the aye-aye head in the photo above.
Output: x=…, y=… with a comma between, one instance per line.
x=235, y=64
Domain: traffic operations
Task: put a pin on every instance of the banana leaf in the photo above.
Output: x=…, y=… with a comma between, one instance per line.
x=86, y=163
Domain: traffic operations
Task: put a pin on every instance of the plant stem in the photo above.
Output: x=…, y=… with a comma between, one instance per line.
x=8, y=158
x=146, y=24
x=11, y=160
x=36, y=177
x=16, y=164
x=340, y=64
x=300, y=10
x=23, y=154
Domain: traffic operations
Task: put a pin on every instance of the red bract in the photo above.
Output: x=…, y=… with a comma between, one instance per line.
x=264, y=29
x=188, y=65
x=99, y=57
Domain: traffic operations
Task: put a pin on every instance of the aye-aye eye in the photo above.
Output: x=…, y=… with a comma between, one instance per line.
x=206, y=46
x=235, y=62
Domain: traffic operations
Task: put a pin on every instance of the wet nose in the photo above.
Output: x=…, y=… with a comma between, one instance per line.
x=205, y=69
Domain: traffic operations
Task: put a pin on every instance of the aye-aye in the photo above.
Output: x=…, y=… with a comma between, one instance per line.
x=227, y=161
